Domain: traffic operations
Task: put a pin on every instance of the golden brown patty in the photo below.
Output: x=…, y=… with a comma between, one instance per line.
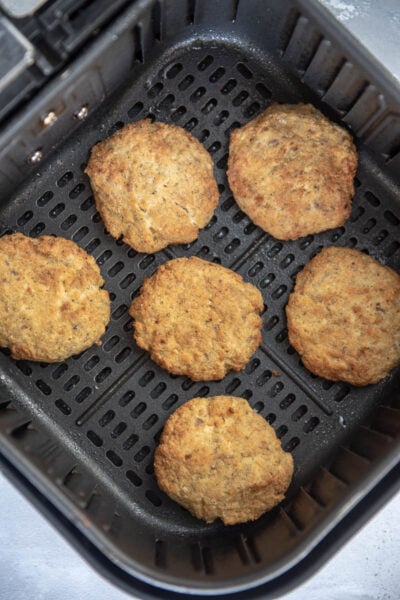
x=344, y=316
x=51, y=304
x=197, y=318
x=291, y=171
x=219, y=458
x=153, y=184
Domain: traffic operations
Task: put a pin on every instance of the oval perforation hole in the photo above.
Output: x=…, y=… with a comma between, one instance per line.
x=155, y=90
x=63, y=407
x=158, y=390
x=106, y=418
x=244, y=71
x=264, y=377
x=57, y=210
x=27, y=216
x=251, y=110
x=259, y=406
x=135, y=110
x=94, y=438
x=263, y=91
x=178, y=113
x=166, y=102
x=185, y=83
x=205, y=63
x=59, y=371
x=92, y=245
x=69, y=221
x=123, y=355
x=170, y=401
x=118, y=430
x=37, y=230
x=270, y=418
x=252, y=366
x=223, y=162
x=83, y=394
x=76, y=191
x=191, y=124
x=221, y=118
x=197, y=94
x=341, y=393
x=114, y=458
x=130, y=441
x=109, y=345
x=229, y=86
x=291, y=444
x=281, y=336
x=274, y=250
x=299, y=413
x=382, y=235
x=146, y=378
x=147, y=261
x=392, y=249
x=45, y=198
x=92, y=362
x=216, y=76
x=102, y=376
x=271, y=323
x=256, y=268
x=372, y=199
x=126, y=398
x=276, y=294
x=356, y=214
x=233, y=385
x=150, y=422
x=391, y=218
x=80, y=234
x=187, y=384
x=281, y=431
x=24, y=367
x=287, y=401
x=104, y=257
x=115, y=269
x=118, y=312
x=276, y=389
x=138, y=410
x=65, y=179
x=311, y=424
x=240, y=98
x=153, y=497
x=141, y=455
x=232, y=246
x=134, y=478
x=71, y=383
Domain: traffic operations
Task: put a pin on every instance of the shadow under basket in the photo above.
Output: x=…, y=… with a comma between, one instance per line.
x=78, y=437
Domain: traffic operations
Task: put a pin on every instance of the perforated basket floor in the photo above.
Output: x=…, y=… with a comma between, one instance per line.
x=87, y=428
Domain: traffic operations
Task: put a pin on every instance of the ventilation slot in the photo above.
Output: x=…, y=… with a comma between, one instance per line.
x=302, y=45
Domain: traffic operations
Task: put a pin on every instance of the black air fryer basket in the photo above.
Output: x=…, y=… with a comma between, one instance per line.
x=79, y=437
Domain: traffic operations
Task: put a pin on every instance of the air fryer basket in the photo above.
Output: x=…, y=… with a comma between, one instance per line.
x=79, y=436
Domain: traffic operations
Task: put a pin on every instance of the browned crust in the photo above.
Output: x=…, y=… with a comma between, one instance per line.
x=197, y=318
x=344, y=317
x=220, y=459
x=291, y=170
x=153, y=184
x=51, y=304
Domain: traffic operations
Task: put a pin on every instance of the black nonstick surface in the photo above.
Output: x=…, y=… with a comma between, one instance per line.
x=108, y=405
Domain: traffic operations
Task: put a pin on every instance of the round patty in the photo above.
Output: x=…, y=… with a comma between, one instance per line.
x=153, y=184
x=197, y=318
x=51, y=304
x=220, y=459
x=344, y=316
x=291, y=171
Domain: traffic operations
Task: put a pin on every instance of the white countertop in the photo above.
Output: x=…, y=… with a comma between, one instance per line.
x=36, y=563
